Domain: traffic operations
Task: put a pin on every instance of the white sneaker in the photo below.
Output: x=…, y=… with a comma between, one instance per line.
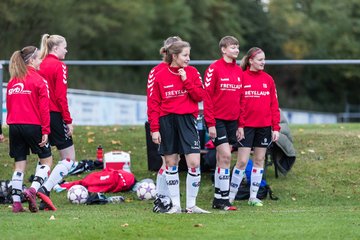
x=196, y=209
x=255, y=202
x=174, y=210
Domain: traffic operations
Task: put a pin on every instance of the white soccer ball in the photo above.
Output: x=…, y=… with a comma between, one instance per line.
x=146, y=191
x=77, y=194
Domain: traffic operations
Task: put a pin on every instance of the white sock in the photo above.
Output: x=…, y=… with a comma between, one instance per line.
x=237, y=177
x=256, y=177
x=17, y=183
x=222, y=180
x=58, y=173
x=41, y=176
x=192, y=186
x=161, y=186
x=173, y=183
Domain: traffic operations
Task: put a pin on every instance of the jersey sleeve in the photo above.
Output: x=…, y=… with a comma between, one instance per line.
x=154, y=108
x=210, y=83
x=61, y=92
x=241, y=120
x=43, y=93
x=274, y=106
x=193, y=85
x=150, y=88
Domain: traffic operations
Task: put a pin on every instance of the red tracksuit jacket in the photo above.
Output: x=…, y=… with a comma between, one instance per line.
x=223, y=86
x=150, y=82
x=107, y=180
x=55, y=72
x=172, y=95
x=259, y=105
x=27, y=101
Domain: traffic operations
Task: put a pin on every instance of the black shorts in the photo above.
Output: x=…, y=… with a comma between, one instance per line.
x=58, y=136
x=23, y=137
x=178, y=134
x=256, y=137
x=225, y=132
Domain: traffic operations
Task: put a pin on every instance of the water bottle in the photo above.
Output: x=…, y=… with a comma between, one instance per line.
x=199, y=123
x=99, y=153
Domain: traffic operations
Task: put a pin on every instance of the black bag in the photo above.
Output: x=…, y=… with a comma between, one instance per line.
x=86, y=165
x=244, y=189
x=244, y=192
x=5, y=192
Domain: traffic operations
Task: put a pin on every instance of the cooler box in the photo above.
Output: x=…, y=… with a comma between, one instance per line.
x=117, y=160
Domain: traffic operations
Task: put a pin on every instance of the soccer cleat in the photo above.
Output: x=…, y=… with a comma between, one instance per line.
x=30, y=196
x=58, y=188
x=46, y=203
x=196, y=209
x=223, y=204
x=174, y=210
x=255, y=202
x=17, y=207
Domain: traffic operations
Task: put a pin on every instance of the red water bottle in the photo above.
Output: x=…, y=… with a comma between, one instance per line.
x=99, y=153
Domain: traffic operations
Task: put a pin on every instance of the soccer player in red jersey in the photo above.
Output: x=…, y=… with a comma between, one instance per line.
x=258, y=122
x=223, y=80
x=27, y=103
x=161, y=187
x=53, y=50
x=174, y=108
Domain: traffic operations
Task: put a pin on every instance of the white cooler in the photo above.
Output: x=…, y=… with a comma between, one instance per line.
x=117, y=160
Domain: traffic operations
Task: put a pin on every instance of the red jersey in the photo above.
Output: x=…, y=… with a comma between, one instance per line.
x=107, y=180
x=150, y=82
x=259, y=105
x=27, y=101
x=172, y=95
x=223, y=86
x=55, y=72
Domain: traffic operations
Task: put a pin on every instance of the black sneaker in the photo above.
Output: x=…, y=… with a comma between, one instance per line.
x=44, y=194
x=223, y=204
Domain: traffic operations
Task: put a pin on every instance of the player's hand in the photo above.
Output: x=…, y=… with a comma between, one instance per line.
x=70, y=129
x=212, y=132
x=275, y=136
x=156, y=138
x=44, y=140
x=2, y=138
x=182, y=73
x=240, y=134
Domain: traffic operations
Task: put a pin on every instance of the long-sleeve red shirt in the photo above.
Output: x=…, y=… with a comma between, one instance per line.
x=223, y=86
x=172, y=95
x=259, y=105
x=150, y=82
x=27, y=101
x=55, y=72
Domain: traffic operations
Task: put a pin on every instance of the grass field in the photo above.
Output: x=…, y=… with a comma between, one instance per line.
x=319, y=198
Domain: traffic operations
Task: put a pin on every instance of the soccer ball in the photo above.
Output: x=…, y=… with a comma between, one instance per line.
x=77, y=194
x=146, y=191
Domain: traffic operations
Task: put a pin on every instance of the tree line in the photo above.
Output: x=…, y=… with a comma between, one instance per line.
x=135, y=30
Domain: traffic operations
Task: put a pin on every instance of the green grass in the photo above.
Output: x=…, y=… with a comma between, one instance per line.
x=319, y=198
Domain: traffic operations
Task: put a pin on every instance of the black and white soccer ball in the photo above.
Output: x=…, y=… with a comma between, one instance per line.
x=162, y=204
x=78, y=194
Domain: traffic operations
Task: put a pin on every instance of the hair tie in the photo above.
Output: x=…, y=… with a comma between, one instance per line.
x=255, y=53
